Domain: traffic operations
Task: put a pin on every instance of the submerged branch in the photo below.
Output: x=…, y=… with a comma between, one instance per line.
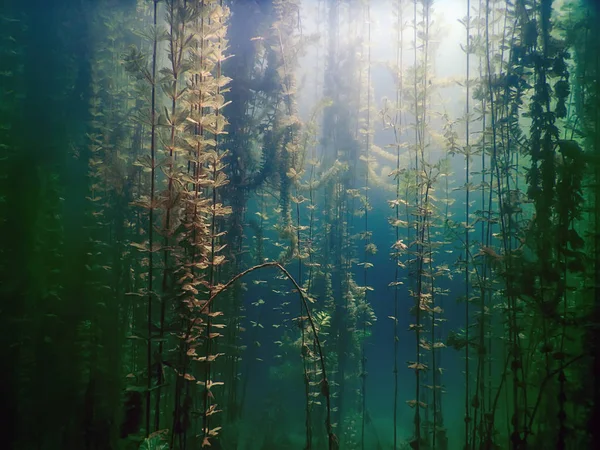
x=333, y=440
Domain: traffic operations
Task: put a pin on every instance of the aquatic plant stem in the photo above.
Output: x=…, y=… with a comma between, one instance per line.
x=151, y=219
x=467, y=230
x=363, y=374
x=397, y=125
x=512, y=313
x=333, y=441
x=176, y=37
x=418, y=190
x=595, y=148
x=483, y=351
x=213, y=231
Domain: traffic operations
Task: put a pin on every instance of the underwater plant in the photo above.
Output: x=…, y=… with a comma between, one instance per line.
x=157, y=157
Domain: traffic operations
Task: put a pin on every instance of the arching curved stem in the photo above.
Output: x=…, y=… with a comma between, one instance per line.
x=333, y=440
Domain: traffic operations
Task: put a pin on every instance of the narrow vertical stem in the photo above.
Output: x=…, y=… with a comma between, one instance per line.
x=467, y=231
x=397, y=125
x=419, y=250
x=177, y=34
x=151, y=221
x=367, y=236
x=213, y=224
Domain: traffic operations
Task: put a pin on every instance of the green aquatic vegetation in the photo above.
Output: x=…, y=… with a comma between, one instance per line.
x=556, y=193
x=393, y=119
x=333, y=443
x=339, y=170
x=423, y=218
x=306, y=251
x=583, y=124
x=369, y=248
x=179, y=38
x=108, y=228
x=514, y=229
x=513, y=331
x=158, y=163
x=262, y=115
x=137, y=64
x=197, y=179
x=467, y=151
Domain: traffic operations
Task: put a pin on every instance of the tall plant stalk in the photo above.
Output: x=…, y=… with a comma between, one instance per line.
x=367, y=233
x=177, y=39
x=151, y=214
x=417, y=294
x=468, y=417
x=398, y=245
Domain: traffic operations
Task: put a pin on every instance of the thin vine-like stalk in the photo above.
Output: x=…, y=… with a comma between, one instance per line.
x=176, y=44
x=151, y=217
x=397, y=124
x=418, y=190
x=512, y=313
x=333, y=440
x=213, y=233
x=467, y=231
x=363, y=359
